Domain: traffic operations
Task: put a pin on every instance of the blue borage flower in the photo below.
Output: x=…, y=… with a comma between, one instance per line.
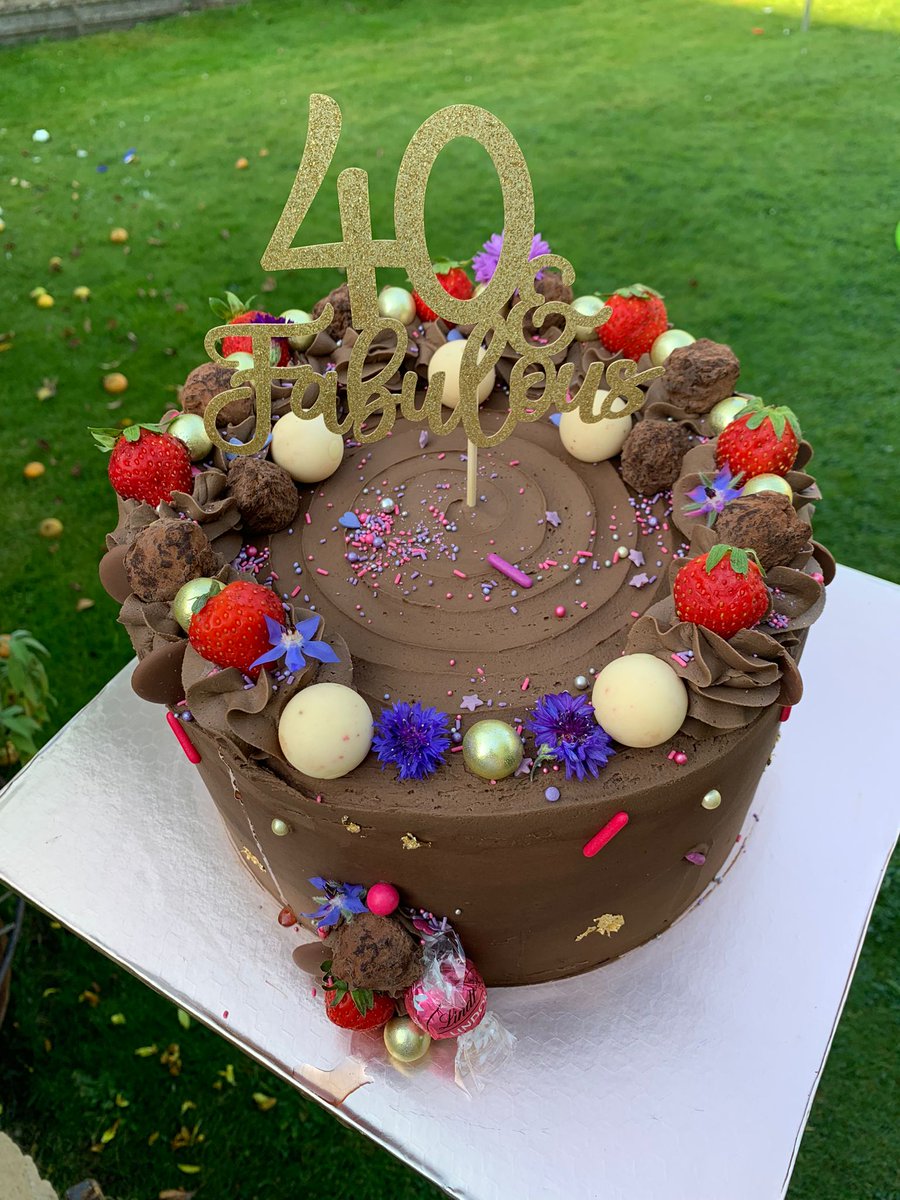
x=411, y=738
x=567, y=725
x=295, y=645
x=339, y=902
x=711, y=495
x=485, y=261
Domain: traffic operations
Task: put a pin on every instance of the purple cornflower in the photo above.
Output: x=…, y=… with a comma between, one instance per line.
x=340, y=902
x=711, y=495
x=412, y=738
x=566, y=724
x=485, y=262
x=294, y=645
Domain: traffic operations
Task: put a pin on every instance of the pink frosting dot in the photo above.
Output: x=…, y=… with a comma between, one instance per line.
x=382, y=899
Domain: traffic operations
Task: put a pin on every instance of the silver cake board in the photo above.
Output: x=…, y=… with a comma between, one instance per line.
x=649, y=1078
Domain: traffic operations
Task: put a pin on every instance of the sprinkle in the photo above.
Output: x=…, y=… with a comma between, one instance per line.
x=695, y=857
x=470, y=703
x=460, y=574
x=553, y=518
x=507, y=569
x=606, y=834
x=551, y=794
x=322, y=571
x=559, y=611
x=308, y=518
x=785, y=713
x=184, y=741
x=525, y=682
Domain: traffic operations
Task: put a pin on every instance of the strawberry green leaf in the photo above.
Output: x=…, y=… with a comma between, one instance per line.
x=105, y=438
x=447, y=264
x=739, y=562
x=638, y=291
x=363, y=998
x=715, y=556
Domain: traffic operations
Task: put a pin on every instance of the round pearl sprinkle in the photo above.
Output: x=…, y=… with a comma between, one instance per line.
x=552, y=794
x=712, y=799
x=387, y=504
x=582, y=683
x=280, y=828
x=382, y=899
x=559, y=611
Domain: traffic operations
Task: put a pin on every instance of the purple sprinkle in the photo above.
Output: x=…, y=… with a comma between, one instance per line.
x=551, y=794
x=696, y=858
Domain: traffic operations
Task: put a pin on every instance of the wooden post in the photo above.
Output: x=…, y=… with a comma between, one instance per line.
x=471, y=474
x=804, y=24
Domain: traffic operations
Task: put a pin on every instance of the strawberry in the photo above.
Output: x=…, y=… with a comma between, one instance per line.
x=145, y=463
x=760, y=440
x=358, y=1008
x=638, y=318
x=723, y=591
x=230, y=629
x=454, y=281
x=236, y=312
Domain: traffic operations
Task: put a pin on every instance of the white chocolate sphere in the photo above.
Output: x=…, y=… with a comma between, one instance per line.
x=591, y=306
x=639, y=700
x=240, y=360
x=672, y=339
x=297, y=316
x=325, y=730
x=307, y=450
x=448, y=358
x=594, y=443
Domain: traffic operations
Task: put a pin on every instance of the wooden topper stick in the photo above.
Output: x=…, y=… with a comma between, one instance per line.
x=471, y=473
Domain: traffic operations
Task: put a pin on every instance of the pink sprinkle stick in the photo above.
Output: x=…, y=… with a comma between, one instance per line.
x=606, y=834
x=507, y=569
x=186, y=744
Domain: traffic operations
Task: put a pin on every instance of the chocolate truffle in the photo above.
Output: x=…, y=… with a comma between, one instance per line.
x=339, y=299
x=551, y=287
x=652, y=454
x=265, y=494
x=165, y=555
x=375, y=952
x=205, y=382
x=767, y=523
x=700, y=375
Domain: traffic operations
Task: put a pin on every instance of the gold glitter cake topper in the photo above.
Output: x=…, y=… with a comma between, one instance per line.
x=359, y=254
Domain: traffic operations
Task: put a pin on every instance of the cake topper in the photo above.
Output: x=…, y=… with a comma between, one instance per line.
x=359, y=254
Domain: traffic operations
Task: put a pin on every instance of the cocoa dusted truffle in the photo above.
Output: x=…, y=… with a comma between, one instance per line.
x=375, y=952
x=767, y=523
x=205, y=382
x=551, y=287
x=339, y=299
x=266, y=496
x=165, y=555
x=700, y=375
x=652, y=454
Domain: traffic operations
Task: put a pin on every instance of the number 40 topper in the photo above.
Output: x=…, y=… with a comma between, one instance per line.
x=359, y=254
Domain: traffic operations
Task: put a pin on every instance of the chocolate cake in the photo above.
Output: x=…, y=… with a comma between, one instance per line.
x=590, y=846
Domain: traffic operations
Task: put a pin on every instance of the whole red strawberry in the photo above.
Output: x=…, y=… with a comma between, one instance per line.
x=238, y=312
x=759, y=441
x=230, y=629
x=454, y=280
x=638, y=318
x=723, y=590
x=359, y=1008
x=145, y=463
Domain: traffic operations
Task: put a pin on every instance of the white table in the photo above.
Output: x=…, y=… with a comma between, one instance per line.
x=686, y=1069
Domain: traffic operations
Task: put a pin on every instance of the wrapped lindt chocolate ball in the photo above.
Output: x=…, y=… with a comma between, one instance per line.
x=265, y=494
x=698, y=376
x=450, y=1008
x=165, y=555
x=339, y=299
x=203, y=384
x=375, y=952
x=652, y=455
x=767, y=523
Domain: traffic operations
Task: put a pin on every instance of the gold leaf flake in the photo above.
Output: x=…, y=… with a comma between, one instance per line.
x=251, y=858
x=409, y=841
x=351, y=826
x=607, y=924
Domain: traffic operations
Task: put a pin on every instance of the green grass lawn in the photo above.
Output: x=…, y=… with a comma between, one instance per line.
x=745, y=175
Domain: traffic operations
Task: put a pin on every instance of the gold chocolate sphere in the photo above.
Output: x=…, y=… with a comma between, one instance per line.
x=280, y=828
x=590, y=306
x=296, y=316
x=183, y=604
x=671, y=340
x=405, y=1041
x=492, y=749
x=724, y=412
x=398, y=304
x=767, y=483
x=189, y=428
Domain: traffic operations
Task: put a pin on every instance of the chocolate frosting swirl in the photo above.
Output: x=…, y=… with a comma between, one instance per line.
x=246, y=718
x=150, y=624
